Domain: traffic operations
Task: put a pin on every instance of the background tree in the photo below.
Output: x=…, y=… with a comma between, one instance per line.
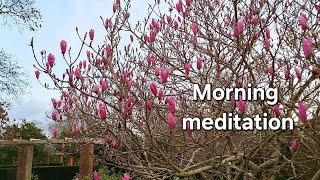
x=23, y=130
x=136, y=96
x=13, y=80
x=3, y=118
x=63, y=131
x=21, y=14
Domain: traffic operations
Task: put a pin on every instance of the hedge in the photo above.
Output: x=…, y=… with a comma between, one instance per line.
x=44, y=172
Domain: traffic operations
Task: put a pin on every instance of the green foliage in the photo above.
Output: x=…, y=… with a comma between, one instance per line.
x=108, y=174
x=25, y=130
x=105, y=173
x=30, y=130
x=8, y=155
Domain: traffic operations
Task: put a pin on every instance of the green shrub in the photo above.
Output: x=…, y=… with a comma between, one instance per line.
x=105, y=173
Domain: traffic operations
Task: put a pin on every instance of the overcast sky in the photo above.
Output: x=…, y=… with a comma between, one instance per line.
x=60, y=19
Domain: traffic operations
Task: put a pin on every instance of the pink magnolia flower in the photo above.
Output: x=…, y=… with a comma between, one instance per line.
x=102, y=111
x=108, y=50
x=179, y=6
x=171, y=120
x=114, y=144
x=156, y=70
x=66, y=108
x=146, y=38
x=239, y=83
x=103, y=85
x=286, y=75
x=195, y=39
x=77, y=131
x=151, y=60
x=194, y=28
x=188, y=2
x=240, y=26
x=187, y=68
x=54, y=132
x=294, y=144
x=84, y=64
x=254, y=20
x=298, y=73
x=169, y=19
x=149, y=106
x=176, y=25
x=71, y=76
x=199, y=63
x=270, y=70
x=114, y=7
x=54, y=116
x=160, y=94
x=164, y=75
x=315, y=71
x=307, y=47
x=88, y=54
x=267, y=32
x=74, y=124
x=131, y=38
x=37, y=73
x=152, y=36
x=107, y=139
x=303, y=21
x=51, y=59
x=77, y=73
x=91, y=34
x=267, y=44
x=63, y=147
x=241, y=105
x=54, y=102
x=108, y=23
x=302, y=112
x=80, y=65
x=171, y=103
x=98, y=62
x=276, y=110
x=59, y=103
x=188, y=128
x=153, y=88
x=95, y=89
x=95, y=175
x=129, y=106
x=125, y=176
x=63, y=46
x=317, y=8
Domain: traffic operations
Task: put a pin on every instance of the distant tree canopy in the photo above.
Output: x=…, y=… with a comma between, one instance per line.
x=3, y=118
x=25, y=130
x=3, y=113
x=21, y=14
x=12, y=78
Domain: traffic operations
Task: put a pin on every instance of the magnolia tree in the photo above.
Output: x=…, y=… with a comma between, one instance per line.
x=136, y=95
